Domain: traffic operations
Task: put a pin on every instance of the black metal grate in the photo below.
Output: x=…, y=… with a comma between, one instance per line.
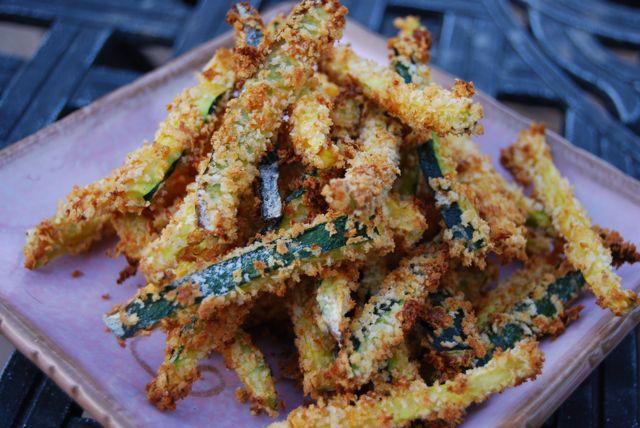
x=578, y=57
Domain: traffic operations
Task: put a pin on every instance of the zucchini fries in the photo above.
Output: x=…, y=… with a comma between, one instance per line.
x=529, y=159
x=342, y=205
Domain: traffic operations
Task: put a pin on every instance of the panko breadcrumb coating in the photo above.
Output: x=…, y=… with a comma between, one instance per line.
x=493, y=198
x=82, y=219
x=252, y=119
x=333, y=298
x=311, y=123
x=371, y=172
x=416, y=401
x=389, y=314
x=410, y=51
x=189, y=341
x=424, y=109
x=529, y=159
x=450, y=336
x=251, y=40
x=316, y=348
x=242, y=356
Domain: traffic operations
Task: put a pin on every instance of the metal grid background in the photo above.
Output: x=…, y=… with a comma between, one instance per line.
x=576, y=58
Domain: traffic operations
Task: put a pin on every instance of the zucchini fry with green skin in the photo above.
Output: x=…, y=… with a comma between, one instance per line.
x=514, y=288
x=310, y=122
x=398, y=369
x=346, y=115
x=450, y=336
x=371, y=172
x=405, y=220
x=467, y=234
x=386, y=317
x=334, y=301
x=417, y=401
x=242, y=356
x=544, y=311
x=162, y=260
x=471, y=282
x=251, y=40
x=316, y=348
x=83, y=218
x=424, y=109
x=189, y=341
x=466, y=231
x=252, y=119
x=410, y=51
x=493, y=199
x=530, y=161
x=135, y=233
x=260, y=267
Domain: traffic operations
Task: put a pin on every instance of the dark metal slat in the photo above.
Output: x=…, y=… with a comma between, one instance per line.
x=206, y=22
x=98, y=82
x=40, y=91
x=19, y=376
x=140, y=19
x=454, y=44
x=620, y=385
x=8, y=67
x=78, y=422
x=486, y=52
x=25, y=84
x=48, y=409
x=581, y=409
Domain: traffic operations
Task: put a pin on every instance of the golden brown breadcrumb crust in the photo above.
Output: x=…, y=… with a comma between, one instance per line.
x=529, y=159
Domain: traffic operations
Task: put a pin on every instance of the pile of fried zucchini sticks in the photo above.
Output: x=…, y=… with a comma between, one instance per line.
x=296, y=175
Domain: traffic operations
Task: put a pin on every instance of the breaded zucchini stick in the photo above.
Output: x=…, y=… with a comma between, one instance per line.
x=398, y=369
x=417, y=401
x=467, y=234
x=165, y=258
x=493, y=198
x=516, y=287
x=466, y=231
x=544, y=311
x=410, y=51
x=252, y=119
x=251, y=40
x=530, y=161
x=334, y=301
x=450, y=335
x=310, y=122
x=346, y=116
x=262, y=266
x=83, y=218
x=381, y=325
x=135, y=232
x=424, y=109
x=405, y=219
x=242, y=356
x=371, y=172
x=316, y=348
x=189, y=341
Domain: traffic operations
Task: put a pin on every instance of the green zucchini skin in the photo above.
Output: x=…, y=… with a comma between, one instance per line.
x=451, y=338
x=149, y=195
x=237, y=271
x=505, y=336
x=451, y=214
